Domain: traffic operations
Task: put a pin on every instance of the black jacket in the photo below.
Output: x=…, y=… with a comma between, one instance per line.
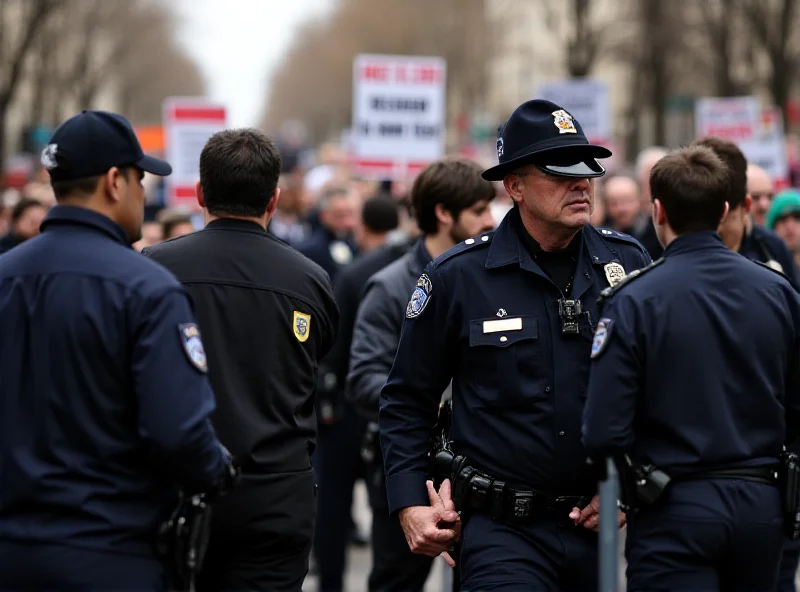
x=267, y=317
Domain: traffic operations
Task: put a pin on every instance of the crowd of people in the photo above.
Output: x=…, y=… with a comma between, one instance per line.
x=490, y=244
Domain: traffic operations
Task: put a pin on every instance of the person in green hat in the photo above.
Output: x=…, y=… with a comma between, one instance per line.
x=784, y=218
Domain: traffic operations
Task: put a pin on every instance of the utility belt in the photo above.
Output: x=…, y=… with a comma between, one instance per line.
x=475, y=492
x=643, y=485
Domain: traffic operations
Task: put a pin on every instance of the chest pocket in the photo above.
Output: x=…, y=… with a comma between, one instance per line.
x=505, y=354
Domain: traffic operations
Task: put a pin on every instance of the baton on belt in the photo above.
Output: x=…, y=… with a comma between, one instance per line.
x=609, y=529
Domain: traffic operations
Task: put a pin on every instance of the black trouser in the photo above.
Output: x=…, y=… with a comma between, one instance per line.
x=394, y=567
x=337, y=465
x=40, y=566
x=261, y=535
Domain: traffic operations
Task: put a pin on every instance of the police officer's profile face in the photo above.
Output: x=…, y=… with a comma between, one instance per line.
x=128, y=192
x=549, y=199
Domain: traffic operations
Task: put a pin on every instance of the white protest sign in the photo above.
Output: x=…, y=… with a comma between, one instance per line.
x=768, y=148
x=758, y=133
x=188, y=124
x=732, y=118
x=398, y=114
x=587, y=101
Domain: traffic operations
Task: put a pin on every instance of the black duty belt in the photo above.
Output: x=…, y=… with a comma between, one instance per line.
x=762, y=474
x=479, y=493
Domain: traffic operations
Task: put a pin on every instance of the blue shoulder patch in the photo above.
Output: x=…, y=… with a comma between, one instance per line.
x=610, y=291
x=464, y=246
x=193, y=346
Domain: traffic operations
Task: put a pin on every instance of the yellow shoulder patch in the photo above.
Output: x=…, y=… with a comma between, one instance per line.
x=301, y=325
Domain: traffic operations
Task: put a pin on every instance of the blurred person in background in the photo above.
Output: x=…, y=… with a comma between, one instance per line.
x=289, y=223
x=623, y=200
x=784, y=218
x=644, y=163
x=738, y=232
x=152, y=233
x=332, y=244
x=451, y=203
x=39, y=188
x=761, y=191
x=338, y=462
x=25, y=220
x=176, y=224
x=268, y=317
x=501, y=204
x=599, y=217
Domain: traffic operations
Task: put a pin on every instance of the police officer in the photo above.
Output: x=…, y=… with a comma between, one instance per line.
x=739, y=233
x=269, y=316
x=509, y=317
x=737, y=230
x=451, y=203
x=695, y=375
x=104, y=402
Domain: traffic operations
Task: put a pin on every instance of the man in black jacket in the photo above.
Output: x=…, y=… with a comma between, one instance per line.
x=268, y=316
x=451, y=203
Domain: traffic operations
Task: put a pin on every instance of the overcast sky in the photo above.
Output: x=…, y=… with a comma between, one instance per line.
x=237, y=43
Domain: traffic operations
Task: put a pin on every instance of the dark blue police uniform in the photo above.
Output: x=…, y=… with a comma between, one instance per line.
x=104, y=400
x=695, y=371
x=327, y=251
x=486, y=315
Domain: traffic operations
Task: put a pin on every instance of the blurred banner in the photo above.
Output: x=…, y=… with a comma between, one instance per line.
x=188, y=124
x=587, y=101
x=758, y=133
x=398, y=114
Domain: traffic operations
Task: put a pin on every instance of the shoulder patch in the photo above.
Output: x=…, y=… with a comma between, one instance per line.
x=301, y=325
x=464, y=246
x=610, y=291
x=193, y=346
x=601, y=336
x=420, y=297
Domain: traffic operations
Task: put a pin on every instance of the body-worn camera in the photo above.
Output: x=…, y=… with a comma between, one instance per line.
x=569, y=311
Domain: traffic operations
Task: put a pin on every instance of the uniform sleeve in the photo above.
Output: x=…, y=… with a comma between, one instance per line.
x=410, y=400
x=375, y=337
x=792, y=403
x=615, y=381
x=330, y=326
x=174, y=395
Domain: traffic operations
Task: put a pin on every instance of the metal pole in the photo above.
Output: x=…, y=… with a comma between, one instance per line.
x=609, y=530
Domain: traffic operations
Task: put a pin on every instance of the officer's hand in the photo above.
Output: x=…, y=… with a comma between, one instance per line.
x=589, y=517
x=445, y=497
x=421, y=526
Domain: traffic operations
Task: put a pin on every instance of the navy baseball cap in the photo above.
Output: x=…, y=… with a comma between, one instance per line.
x=542, y=133
x=90, y=143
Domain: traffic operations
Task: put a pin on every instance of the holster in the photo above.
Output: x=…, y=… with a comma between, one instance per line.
x=789, y=483
x=183, y=540
x=641, y=485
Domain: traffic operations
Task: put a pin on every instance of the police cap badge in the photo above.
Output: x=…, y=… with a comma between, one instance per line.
x=420, y=297
x=601, y=335
x=193, y=345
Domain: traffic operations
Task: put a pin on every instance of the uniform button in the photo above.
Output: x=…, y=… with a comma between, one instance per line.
x=504, y=339
x=561, y=433
x=547, y=389
x=469, y=241
x=484, y=238
x=586, y=274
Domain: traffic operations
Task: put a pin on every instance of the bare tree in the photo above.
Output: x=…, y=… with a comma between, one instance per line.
x=774, y=25
x=314, y=81
x=20, y=23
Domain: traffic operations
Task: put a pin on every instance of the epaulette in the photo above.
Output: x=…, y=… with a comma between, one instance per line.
x=464, y=246
x=611, y=290
x=621, y=237
x=773, y=269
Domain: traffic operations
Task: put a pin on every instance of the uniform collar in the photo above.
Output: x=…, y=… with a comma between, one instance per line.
x=235, y=224
x=63, y=215
x=420, y=254
x=694, y=241
x=507, y=248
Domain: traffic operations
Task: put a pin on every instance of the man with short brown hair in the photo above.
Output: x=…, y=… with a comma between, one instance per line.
x=695, y=379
